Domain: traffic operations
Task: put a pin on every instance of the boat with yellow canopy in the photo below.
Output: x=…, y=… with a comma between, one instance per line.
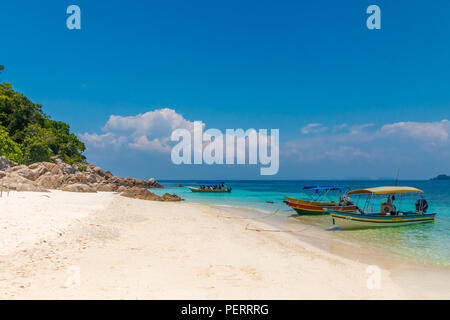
x=387, y=212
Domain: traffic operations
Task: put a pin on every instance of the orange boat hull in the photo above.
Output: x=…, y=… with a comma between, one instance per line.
x=305, y=207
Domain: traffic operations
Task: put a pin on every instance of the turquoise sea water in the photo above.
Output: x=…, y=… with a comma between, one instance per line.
x=429, y=242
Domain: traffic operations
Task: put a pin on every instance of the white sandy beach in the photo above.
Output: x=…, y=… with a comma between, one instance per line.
x=121, y=248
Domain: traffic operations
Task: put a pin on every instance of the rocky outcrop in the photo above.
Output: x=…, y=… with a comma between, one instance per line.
x=144, y=194
x=170, y=197
x=13, y=181
x=51, y=181
x=82, y=177
x=27, y=172
x=59, y=174
x=132, y=182
x=64, y=168
x=108, y=187
x=78, y=187
x=5, y=163
x=139, y=193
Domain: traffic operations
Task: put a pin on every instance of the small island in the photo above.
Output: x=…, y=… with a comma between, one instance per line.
x=441, y=177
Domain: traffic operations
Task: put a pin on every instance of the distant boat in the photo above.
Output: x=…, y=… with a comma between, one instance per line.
x=389, y=215
x=317, y=207
x=193, y=189
x=211, y=187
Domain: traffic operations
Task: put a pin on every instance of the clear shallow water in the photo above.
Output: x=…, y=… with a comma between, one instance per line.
x=429, y=242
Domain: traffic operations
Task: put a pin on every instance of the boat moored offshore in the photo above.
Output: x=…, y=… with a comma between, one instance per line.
x=388, y=215
x=317, y=207
x=211, y=187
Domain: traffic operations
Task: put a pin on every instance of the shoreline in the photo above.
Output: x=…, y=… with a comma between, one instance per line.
x=138, y=249
x=353, y=249
x=323, y=228
x=319, y=230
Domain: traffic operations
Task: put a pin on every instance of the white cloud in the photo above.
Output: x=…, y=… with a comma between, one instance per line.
x=102, y=140
x=152, y=132
x=439, y=130
x=365, y=145
x=392, y=142
x=312, y=128
x=149, y=131
x=156, y=123
x=340, y=127
x=360, y=128
x=143, y=143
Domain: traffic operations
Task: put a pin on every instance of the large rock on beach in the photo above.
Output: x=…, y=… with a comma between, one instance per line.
x=140, y=193
x=5, y=163
x=107, y=187
x=170, y=197
x=144, y=194
x=30, y=173
x=78, y=187
x=51, y=181
x=14, y=181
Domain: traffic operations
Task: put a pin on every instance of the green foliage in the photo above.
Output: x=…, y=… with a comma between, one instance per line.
x=82, y=168
x=35, y=149
x=38, y=137
x=8, y=148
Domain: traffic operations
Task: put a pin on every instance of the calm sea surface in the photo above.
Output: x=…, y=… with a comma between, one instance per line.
x=429, y=242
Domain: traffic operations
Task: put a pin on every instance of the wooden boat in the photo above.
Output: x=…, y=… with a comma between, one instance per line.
x=309, y=202
x=388, y=216
x=211, y=186
x=315, y=206
x=193, y=189
x=358, y=221
x=319, y=209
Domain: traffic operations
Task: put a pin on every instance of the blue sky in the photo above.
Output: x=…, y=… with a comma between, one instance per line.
x=349, y=102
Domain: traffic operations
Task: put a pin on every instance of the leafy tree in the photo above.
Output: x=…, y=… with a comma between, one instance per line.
x=35, y=149
x=38, y=137
x=9, y=148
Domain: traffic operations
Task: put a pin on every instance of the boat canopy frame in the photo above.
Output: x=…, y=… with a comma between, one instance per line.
x=321, y=192
x=382, y=192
